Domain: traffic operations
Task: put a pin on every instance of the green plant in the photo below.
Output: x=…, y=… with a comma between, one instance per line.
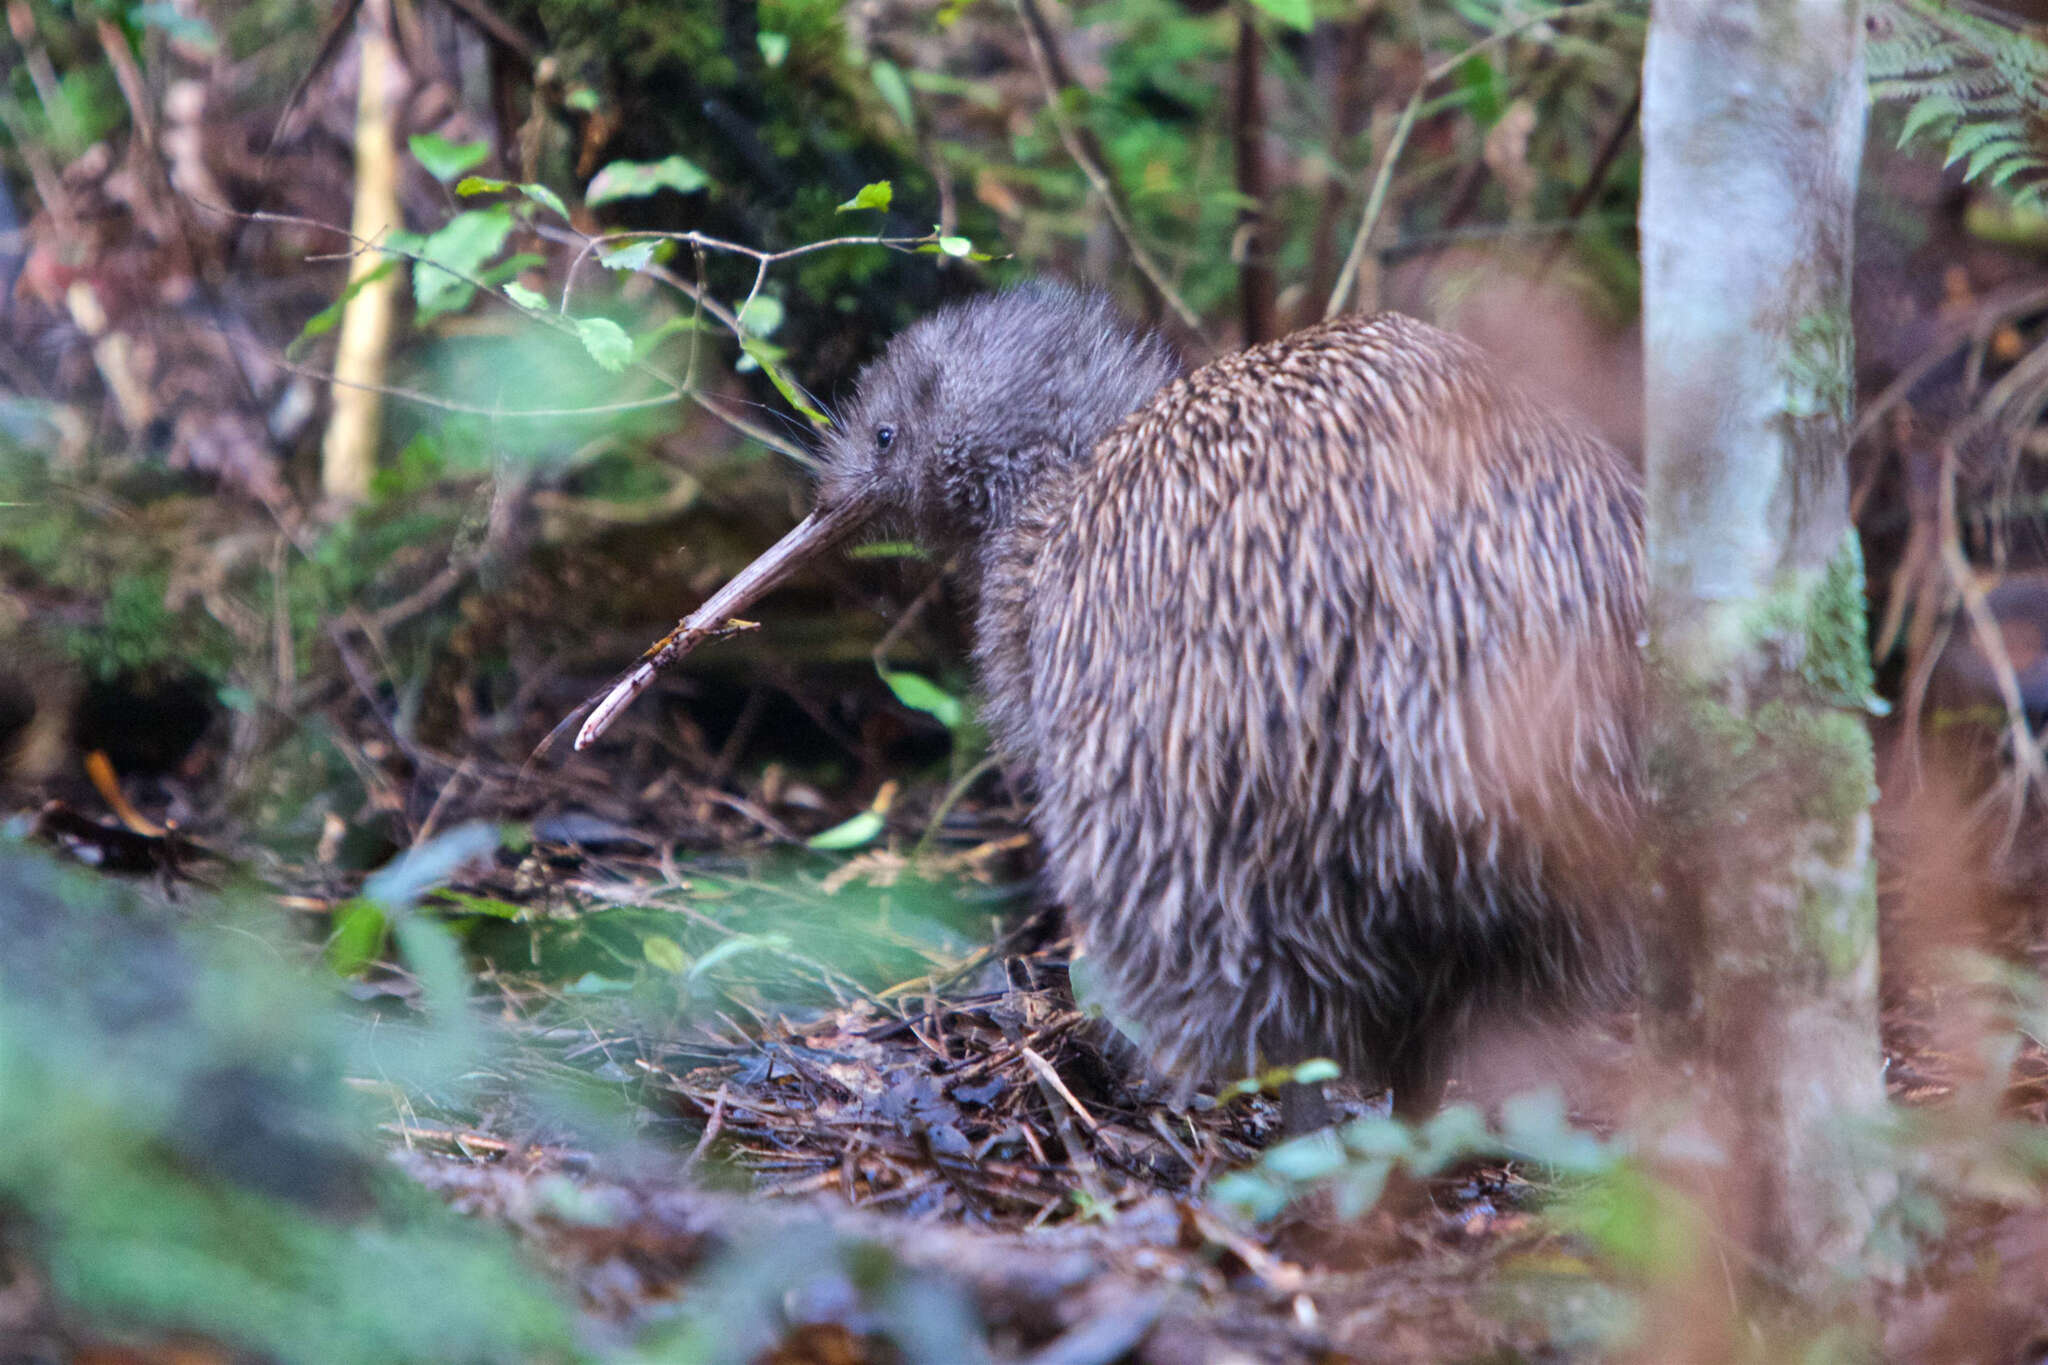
x=1974, y=85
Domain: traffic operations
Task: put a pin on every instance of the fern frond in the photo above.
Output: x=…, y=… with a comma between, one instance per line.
x=1976, y=85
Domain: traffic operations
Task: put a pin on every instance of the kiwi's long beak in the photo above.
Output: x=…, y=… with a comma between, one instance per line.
x=812, y=536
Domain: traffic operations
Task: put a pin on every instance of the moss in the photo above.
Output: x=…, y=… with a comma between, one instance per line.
x=1778, y=773
x=1816, y=629
x=1818, y=370
x=1837, y=656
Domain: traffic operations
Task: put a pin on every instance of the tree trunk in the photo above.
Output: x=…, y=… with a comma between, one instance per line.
x=1764, y=988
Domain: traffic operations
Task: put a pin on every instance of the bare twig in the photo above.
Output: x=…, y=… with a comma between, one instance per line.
x=1255, y=265
x=1376, y=198
x=1038, y=36
x=1992, y=312
x=1990, y=642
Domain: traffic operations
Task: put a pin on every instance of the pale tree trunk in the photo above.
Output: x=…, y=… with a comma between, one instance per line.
x=1765, y=990
x=348, y=453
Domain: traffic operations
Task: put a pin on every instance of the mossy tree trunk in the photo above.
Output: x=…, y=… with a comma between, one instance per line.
x=1764, y=989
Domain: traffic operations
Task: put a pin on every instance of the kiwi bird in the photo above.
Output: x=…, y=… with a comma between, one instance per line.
x=1321, y=662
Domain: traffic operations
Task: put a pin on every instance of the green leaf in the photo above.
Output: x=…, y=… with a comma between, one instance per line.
x=765, y=356
x=761, y=316
x=1928, y=115
x=1251, y=1194
x=468, y=903
x=1377, y=1138
x=358, y=936
x=738, y=944
x=633, y=255
x=444, y=160
x=518, y=263
x=1302, y=1159
x=606, y=341
x=1992, y=153
x=878, y=195
x=920, y=693
x=524, y=297
x=462, y=246
x=859, y=832
x=328, y=318
x=894, y=90
x=1293, y=13
x=1479, y=80
x=774, y=48
x=953, y=246
x=645, y=342
x=546, y=198
x=664, y=953
x=888, y=549
x=636, y=179
x=539, y=194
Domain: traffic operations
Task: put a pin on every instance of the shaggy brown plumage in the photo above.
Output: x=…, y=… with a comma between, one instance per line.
x=1322, y=661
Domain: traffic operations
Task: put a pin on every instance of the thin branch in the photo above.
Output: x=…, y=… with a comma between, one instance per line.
x=562, y=326
x=1255, y=265
x=1038, y=37
x=1990, y=642
x=1376, y=199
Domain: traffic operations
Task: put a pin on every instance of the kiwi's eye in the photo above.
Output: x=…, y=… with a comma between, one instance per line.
x=884, y=437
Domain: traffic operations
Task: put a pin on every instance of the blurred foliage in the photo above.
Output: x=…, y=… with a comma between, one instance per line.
x=1974, y=86
x=199, y=1157
x=194, y=1159
x=195, y=1162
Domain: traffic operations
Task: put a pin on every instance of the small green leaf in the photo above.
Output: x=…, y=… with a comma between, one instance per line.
x=444, y=160
x=664, y=953
x=645, y=342
x=1377, y=1138
x=888, y=549
x=1251, y=1194
x=328, y=318
x=1314, y=1157
x=774, y=48
x=524, y=297
x=636, y=179
x=1315, y=1071
x=733, y=947
x=953, y=246
x=894, y=90
x=1929, y=115
x=358, y=937
x=1359, y=1188
x=1293, y=13
x=468, y=903
x=481, y=184
x=546, y=198
x=860, y=831
x=516, y=264
x=761, y=316
x=462, y=246
x=583, y=100
x=606, y=341
x=633, y=255
x=878, y=195
x=765, y=356
x=920, y=693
